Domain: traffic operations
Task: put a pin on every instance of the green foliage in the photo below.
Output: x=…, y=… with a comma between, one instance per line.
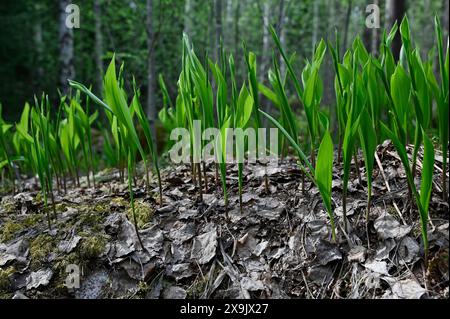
x=324, y=174
x=122, y=123
x=422, y=199
x=368, y=138
x=137, y=108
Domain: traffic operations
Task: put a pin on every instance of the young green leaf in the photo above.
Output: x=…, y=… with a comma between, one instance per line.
x=324, y=174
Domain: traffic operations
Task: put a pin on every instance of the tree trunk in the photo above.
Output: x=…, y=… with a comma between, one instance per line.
x=347, y=25
x=39, y=45
x=187, y=18
x=395, y=11
x=367, y=38
x=229, y=22
x=237, y=15
x=375, y=36
x=328, y=68
x=151, y=108
x=98, y=46
x=445, y=25
x=67, y=69
x=218, y=37
x=282, y=20
x=265, y=54
x=315, y=26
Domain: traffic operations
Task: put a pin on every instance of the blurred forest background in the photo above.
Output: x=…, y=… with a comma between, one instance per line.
x=38, y=52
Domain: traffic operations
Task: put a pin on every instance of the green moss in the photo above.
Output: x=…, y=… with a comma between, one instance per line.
x=32, y=220
x=40, y=248
x=5, y=278
x=92, y=247
x=6, y=295
x=64, y=260
x=101, y=207
x=8, y=205
x=197, y=288
x=39, y=198
x=143, y=211
x=90, y=219
x=119, y=201
x=9, y=230
x=142, y=290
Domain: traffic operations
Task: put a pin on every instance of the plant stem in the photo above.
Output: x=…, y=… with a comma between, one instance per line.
x=160, y=187
x=200, y=181
x=344, y=208
x=226, y=208
x=358, y=171
x=417, y=142
x=65, y=185
x=333, y=230
x=217, y=174
x=339, y=150
x=369, y=203
x=49, y=223
x=130, y=187
x=266, y=179
x=194, y=178
x=57, y=184
x=303, y=182
x=77, y=176
x=53, y=204
x=147, y=173
x=444, y=182
x=87, y=175
x=135, y=220
x=313, y=155
x=240, y=169
x=205, y=176
x=12, y=179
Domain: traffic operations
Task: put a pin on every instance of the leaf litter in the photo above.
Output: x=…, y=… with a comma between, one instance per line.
x=278, y=247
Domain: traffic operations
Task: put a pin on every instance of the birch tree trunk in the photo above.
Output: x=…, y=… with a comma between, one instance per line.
x=151, y=108
x=229, y=22
x=265, y=54
x=282, y=21
x=347, y=24
x=67, y=69
x=237, y=16
x=187, y=18
x=445, y=25
x=375, y=36
x=98, y=46
x=218, y=20
x=38, y=42
x=315, y=34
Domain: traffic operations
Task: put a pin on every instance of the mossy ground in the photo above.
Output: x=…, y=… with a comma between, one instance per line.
x=5, y=279
x=9, y=230
x=143, y=212
x=40, y=249
x=92, y=247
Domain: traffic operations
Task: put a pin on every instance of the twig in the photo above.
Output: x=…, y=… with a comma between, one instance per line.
x=306, y=284
x=380, y=166
x=234, y=241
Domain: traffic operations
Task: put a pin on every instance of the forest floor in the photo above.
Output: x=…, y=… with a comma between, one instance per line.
x=278, y=247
